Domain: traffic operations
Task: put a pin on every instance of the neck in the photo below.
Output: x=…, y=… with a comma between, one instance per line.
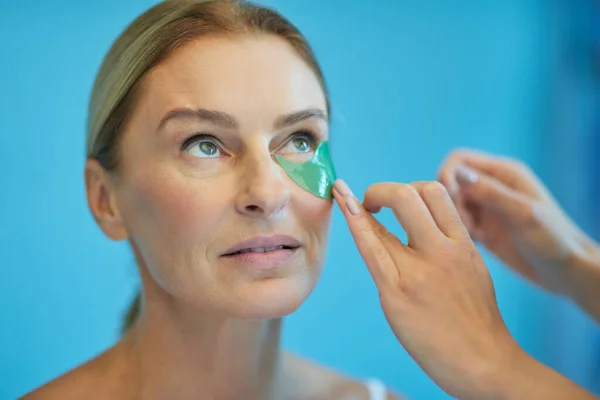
x=182, y=356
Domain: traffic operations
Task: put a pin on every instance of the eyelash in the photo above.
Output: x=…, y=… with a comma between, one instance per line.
x=310, y=136
x=189, y=142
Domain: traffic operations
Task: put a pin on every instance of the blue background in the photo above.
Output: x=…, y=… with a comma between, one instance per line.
x=410, y=80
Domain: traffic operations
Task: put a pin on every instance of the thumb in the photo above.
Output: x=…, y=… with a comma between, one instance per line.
x=490, y=192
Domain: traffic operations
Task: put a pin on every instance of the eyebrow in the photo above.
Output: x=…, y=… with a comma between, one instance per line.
x=227, y=121
x=297, y=117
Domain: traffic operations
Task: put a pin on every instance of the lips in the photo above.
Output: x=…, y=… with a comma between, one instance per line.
x=263, y=244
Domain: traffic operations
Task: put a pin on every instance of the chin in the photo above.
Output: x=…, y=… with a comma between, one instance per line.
x=274, y=298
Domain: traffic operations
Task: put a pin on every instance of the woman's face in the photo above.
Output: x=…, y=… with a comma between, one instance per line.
x=198, y=180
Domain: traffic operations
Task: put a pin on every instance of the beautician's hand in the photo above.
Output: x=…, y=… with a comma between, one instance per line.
x=438, y=297
x=506, y=208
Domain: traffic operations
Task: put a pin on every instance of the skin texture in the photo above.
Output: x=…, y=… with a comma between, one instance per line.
x=210, y=325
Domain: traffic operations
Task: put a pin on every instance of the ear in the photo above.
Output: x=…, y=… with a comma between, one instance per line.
x=102, y=200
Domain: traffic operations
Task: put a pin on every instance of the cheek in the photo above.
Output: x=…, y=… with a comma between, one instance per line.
x=172, y=220
x=167, y=207
x=314, y=214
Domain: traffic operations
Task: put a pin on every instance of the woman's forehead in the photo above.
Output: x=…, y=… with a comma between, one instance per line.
x=222, y=73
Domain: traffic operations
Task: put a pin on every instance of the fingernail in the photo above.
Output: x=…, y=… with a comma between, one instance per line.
x=466, y=175
x=343, y=188
x=352, y=205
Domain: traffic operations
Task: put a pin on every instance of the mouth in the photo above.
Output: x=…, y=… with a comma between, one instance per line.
x=263, y=245
x=261, y=250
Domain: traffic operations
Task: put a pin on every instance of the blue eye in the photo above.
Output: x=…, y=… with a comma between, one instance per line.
x=301, y=142
x=202, y=146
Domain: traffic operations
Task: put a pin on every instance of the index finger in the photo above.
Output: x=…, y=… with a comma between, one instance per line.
x=372, y=239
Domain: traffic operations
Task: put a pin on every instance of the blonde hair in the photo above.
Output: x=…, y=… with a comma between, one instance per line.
x=147, y=41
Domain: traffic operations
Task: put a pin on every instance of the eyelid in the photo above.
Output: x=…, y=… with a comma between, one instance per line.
x=308, y=134
x=305, y=133
x=189, y=142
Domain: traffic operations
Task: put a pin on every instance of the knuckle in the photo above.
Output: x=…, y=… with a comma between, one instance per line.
x=528, y=214
x=368, y=194
x=515, y=172
x=381, y=232
x=371, y=188
x=516, y=166
x=414, y=284
x=403, y=192
x=375, y=187
x=434, y=189
x=364, y=229
x=419, y=278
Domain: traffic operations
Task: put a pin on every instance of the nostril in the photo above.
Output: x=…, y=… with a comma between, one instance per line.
x=253, y=208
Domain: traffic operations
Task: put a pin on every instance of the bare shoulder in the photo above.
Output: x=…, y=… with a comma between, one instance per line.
x=102, y=377
x=316, y=381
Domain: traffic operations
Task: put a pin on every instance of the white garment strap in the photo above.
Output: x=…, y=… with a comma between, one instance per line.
x=376, y=389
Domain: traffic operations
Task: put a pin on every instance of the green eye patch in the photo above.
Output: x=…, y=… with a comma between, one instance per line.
x=316, y=175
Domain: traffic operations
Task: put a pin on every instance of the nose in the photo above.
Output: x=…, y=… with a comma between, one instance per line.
x=263, y=190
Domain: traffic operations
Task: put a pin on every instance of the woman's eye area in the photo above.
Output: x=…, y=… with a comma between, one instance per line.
x=300, y=147
x=300, y=142
x=202, y=146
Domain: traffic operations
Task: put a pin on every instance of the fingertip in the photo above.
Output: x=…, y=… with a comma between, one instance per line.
x=372, y=210
x=347, y=204
x=336, y=195
x=466, y=176
x=342, y=187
